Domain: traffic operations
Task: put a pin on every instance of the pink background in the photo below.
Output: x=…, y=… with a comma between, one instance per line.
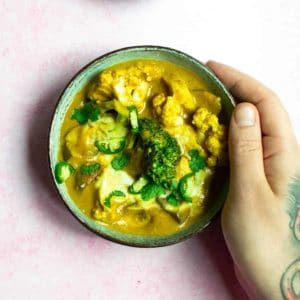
x=44, y=252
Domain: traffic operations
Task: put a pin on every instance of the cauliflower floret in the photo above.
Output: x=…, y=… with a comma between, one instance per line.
x=168, y=110
x=102, y=90
x=199, y=118
x=151, y=70
x=205, y=121
x=208, y=100
x=107, y=77
x=181, y=93
x=211, y=161
x=172, y=113
x=221, y=132
x=213, y=121
x=186, y=137
x=210, y=134
x=171, y=109
x=213, y=145
x=157, y=103
x=131, y=92
x=128, y=85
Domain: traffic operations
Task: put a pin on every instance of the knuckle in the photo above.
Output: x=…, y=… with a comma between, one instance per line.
x=244, y=147
x=274, y=95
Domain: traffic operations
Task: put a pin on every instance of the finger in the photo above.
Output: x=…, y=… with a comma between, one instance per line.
x=274, y=119
x=245, y=147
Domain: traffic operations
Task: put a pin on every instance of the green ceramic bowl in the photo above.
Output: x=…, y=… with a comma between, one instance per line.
x=81, y=79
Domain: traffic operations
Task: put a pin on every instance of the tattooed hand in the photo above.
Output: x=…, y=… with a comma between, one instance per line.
x=261, y=217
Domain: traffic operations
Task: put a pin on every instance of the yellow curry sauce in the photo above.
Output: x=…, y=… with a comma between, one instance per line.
x=183, y=107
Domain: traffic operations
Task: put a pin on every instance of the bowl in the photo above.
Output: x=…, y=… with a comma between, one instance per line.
x=88, y=72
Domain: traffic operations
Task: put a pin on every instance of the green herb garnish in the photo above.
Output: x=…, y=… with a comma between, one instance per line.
x=151, y=190
x=89, y=169
x=173, y=200
x=89, y=111
x=197, y=162
x=138, y=185
x=174, y=185
x=120, y=161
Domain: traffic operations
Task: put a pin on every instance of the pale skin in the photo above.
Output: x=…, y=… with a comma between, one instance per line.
x=261, y=217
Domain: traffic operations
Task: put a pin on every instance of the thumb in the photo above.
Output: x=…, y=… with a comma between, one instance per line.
x=245, y=146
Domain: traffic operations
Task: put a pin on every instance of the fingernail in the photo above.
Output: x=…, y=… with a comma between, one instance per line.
x=244, y=116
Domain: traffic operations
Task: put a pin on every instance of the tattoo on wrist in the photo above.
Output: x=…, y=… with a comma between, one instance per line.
x=294, y=207
x=290, y=280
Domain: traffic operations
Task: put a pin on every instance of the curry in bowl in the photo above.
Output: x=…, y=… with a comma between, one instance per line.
x=139, y=146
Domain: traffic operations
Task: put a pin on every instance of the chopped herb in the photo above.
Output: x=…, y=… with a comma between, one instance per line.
x=173, y=200
x=133, y=118
x=120, y=161
x=197, y=162
x=174, y=185
x=115, y=193
x=62, y=171
x=138, y=185
x=151, y=190
x=89, y=111
x=89, y=169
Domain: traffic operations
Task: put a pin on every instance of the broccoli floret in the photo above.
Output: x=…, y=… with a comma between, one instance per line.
x=162, y=152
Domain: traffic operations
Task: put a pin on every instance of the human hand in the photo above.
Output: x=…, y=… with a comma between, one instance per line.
x=261, y=217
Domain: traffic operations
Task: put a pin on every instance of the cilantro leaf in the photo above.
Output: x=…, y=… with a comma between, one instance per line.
x=120, y=161
x=173, y=199
x=151, y=190
x=174, y=185
x=197, y=162
x=89, y=111
x=115, y=193
x=89, y=169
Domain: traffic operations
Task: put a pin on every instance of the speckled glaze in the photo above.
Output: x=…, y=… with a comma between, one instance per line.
x=80, y=80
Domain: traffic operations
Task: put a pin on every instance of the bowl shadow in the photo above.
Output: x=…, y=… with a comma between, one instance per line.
x=213, y=242
x=49, y=203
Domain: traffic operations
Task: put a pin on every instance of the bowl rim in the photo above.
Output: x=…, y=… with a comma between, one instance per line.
x=164, y=239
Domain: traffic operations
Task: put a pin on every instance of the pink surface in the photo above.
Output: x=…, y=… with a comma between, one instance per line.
x=44, y=252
